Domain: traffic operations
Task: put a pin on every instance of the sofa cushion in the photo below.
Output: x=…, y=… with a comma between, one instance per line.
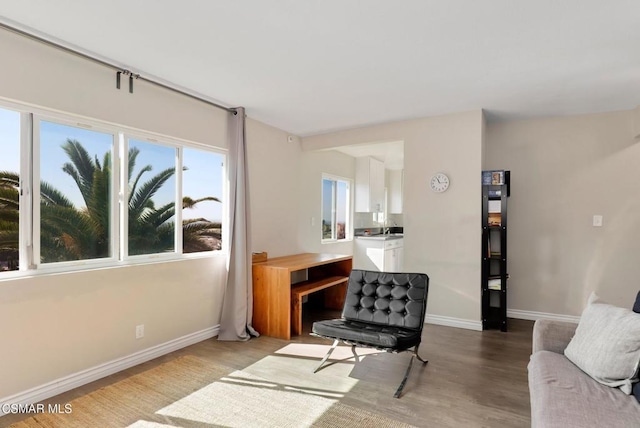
x=606, y=345
x=563, y=396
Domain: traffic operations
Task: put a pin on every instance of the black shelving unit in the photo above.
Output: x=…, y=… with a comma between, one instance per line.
x=494, y=250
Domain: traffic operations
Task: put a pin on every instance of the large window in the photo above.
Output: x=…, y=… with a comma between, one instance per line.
x=85, y=194
x=335, y=208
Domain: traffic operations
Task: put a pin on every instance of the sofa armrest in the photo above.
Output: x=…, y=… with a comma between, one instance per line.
x=549, y=335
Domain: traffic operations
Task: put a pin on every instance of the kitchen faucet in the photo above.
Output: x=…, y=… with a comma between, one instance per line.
x=386, y=230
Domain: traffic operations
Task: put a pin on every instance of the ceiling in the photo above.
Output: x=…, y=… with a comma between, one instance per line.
x=391, y=153
x=314, y=66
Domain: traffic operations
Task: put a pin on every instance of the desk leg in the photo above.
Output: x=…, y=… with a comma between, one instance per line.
x=296, y=314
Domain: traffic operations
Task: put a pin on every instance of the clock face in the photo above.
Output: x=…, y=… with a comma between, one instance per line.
x=439, y=182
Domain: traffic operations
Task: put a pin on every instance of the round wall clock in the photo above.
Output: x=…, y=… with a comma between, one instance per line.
x=439, y=182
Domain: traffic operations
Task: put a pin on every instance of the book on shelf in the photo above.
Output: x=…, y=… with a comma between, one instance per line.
x=494, y=219
x=494, y=284
x=495, y=206
x=493, y=177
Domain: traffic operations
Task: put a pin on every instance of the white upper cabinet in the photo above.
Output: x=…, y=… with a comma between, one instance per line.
x=369, y=185
x=395, y=191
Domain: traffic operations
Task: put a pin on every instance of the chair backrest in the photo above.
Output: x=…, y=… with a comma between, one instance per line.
x=394, y=299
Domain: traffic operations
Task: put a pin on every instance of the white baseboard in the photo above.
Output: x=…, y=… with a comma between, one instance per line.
x=58, y=386
x=453, y=322
x=511, y=313
x=533, y=316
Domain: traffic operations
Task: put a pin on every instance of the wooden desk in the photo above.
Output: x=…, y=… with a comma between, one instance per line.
x=277, y=307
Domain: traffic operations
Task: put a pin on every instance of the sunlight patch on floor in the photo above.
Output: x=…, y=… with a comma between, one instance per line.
x=278, y=390
x=298, y=372
x=235, y=405
x=148, y=424
x=318, y=351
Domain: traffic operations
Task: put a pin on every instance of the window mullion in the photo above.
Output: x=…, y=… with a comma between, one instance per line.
x=178, y=204
x=35, y=193
x=124, y=197
x=118, y=191
x=26, y=198
x=334, y=203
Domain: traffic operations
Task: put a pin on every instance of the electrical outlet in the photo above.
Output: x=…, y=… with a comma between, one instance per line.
x=597, y=220
x=140, y=331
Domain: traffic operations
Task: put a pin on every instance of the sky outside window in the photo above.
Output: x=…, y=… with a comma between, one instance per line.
x=203, y=178
x=9, y=140
x=327, y=208
x=335, y=204
x=9, y=163
x=53, y=157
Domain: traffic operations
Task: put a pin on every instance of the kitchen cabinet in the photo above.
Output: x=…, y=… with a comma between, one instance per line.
x=393, y=250
x=369, y=185
x=378, y=253
x=394, y=190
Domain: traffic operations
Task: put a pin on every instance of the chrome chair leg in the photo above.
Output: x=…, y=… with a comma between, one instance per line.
x=406, y=374
x=353, y=349
x=415, y=352
x=326, y=357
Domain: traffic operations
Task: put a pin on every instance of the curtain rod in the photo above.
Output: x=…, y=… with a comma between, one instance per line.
x=109, y=64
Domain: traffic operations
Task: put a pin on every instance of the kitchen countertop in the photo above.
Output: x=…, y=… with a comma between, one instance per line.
x=382, y=237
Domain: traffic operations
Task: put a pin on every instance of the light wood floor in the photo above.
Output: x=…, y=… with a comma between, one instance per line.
x=473, y=379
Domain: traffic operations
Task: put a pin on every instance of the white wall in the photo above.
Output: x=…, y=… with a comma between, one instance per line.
x=58, y=325
x=274, y=186
x=312, y=166
x=285, y=188
x=34, y=73
x=563, y=171
x=442, y=231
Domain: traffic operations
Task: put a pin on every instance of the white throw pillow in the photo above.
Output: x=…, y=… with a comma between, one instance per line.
x=606, y=345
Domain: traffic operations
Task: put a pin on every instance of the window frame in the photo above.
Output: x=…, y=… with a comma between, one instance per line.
x=348, y=209
x=29, y=212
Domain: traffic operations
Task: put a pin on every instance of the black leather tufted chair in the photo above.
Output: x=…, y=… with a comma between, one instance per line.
x=382, y=310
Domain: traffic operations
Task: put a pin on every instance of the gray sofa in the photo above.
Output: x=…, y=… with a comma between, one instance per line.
x=564, y=396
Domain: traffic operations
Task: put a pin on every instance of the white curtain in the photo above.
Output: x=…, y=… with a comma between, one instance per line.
x=237, y=307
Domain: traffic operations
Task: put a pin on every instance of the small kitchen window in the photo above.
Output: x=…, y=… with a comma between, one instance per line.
x=336, y=208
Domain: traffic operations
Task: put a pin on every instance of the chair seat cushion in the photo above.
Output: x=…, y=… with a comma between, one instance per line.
x=367, y=334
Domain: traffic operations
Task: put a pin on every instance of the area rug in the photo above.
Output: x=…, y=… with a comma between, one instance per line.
x=277, y=391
